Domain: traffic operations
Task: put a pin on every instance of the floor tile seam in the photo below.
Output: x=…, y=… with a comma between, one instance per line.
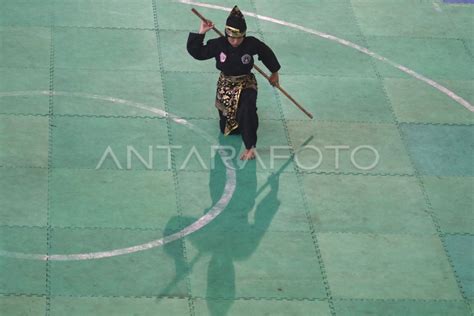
x=259, y=172
x=178, y=30
x=334, y=173
x=454, y=27
x=194, y=30
x=466, y=234
x=165, y=101
x=457, y=5
x=268, y=299
x=55, y=227
x=144, y=229
x=388, y=100
x=196, y=72
x=195, y=118
x=387, y=300
x=355, y=35
x=115, y=68
x=353, y=16
x=103, y=27
x=172, y=297
x=343, y=173
x=105, y=296
x=270, y=119
x=98, y=116
x=312, y=234
x=107, y=228
x=429, y=207
x=22, y=167
x=286, y=72
x=147, y=70
x=468, y=50
x=398, y=300
x=158, y=170
x=26, y=26
x=60, y=168
x=25, y=114
x=376, y=233
x=326, y=121
x=257, y=230
x=4, y=68
x=335, y=122
x=184, y=252
x=383, y=78
x=18, y=226
x=23, y=295
x=216, y=119
x=365, y=42
x=435, y=220
x=252, y=32
x=338, y=76
x=132, y=117
x=50, y=164
x=446, y=175
x=209, y=72
x=436, y=124
x=399, y=76
x=282, y=73
x=293, y=31
x=370, y=36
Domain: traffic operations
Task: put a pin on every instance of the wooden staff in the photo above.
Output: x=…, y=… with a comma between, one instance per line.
x=259, y=69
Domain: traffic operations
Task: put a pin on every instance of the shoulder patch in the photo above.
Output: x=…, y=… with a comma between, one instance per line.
x=222, y=57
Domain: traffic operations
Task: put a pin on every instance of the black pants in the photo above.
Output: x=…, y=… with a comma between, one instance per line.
x=246, y=117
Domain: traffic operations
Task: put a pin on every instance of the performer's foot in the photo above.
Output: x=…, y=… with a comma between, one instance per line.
x=248, y=154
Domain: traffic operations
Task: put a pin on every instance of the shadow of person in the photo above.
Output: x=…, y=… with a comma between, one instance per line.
x=233, y=235
x=237, y=243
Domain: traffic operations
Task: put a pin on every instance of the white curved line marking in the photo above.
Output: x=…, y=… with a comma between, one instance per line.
x=198, y=224
x=347, y=43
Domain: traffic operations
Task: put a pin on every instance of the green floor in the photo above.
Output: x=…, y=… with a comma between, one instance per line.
x=290, y=238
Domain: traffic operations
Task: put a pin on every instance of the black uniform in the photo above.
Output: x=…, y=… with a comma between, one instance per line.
x=237, y=61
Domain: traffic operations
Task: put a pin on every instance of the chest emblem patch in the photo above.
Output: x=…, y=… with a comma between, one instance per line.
x=246, y=59
x=222, y=57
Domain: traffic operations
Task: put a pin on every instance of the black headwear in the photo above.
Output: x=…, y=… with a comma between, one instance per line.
x=235, y=24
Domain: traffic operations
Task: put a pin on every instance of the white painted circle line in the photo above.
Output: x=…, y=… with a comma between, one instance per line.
x=224, y=200
x=347, y=43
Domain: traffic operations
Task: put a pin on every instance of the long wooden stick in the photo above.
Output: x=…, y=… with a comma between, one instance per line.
x=259, y=69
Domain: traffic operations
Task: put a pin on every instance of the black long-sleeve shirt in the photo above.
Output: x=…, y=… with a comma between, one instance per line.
x=232, y=61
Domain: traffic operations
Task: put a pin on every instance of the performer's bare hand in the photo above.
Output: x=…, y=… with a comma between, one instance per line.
x=274, y=79
x=205, y=26
x=248, y=154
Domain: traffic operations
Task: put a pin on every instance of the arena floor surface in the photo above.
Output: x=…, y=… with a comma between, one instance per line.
x=118, y=196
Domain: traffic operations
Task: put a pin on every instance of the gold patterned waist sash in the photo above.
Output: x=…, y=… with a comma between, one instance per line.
x=228, y=95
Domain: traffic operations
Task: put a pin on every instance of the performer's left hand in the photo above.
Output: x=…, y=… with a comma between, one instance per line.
x=274, y=79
